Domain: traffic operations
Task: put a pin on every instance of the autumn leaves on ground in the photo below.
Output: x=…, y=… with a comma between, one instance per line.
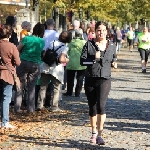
x=35, y=124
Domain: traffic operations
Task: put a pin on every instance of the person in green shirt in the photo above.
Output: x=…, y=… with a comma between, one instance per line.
x=73, y=66
x=144, y=47
x=130, y=37
x=30, y=49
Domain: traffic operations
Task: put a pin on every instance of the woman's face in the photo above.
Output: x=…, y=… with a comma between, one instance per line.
x=101, y=32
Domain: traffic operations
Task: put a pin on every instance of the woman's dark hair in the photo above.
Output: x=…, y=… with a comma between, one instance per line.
x=100, y=23
x=10, y=20
x=65, y=37
x=38, y=30
x=5, y=31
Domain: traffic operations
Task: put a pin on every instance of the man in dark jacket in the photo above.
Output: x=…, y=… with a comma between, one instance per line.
x=11, y=20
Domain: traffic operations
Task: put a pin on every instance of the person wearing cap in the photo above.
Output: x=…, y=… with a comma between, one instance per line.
x=26, y=27
x=73, y=66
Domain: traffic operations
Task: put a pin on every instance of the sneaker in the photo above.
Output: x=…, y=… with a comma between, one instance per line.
x=8, y=126
x=66, y=94
x=100, y=141
x=55, y=109
x=93, y=138
x=143, y=70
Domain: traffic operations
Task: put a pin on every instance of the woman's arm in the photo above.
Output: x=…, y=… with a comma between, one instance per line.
x=19, y=47
x=16, y=58
x=114, y=63
x=86, y=59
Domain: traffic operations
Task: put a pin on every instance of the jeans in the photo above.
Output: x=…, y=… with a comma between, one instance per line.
x=5, y=99
x=118, y=46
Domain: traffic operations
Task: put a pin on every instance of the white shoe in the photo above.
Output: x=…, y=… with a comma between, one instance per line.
x=8, y=126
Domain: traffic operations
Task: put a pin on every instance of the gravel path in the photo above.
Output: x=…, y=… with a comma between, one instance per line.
x=127, y=125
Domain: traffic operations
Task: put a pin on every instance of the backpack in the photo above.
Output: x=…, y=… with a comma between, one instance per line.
x=50, y=56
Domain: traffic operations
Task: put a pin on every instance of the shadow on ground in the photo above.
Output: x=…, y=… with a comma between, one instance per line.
x=63, y=143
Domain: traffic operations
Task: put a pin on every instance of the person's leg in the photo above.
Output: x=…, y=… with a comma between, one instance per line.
x=79, y=77
x=37, y=89
x=143, y=63
x=102, y=96
x=56, y=96
x=6, y=99
x=22, y=74
x=45, y=78
x=146, y=56
x=65, y=78
x=130, y=45
x=49, y=92
x=70, y=82
x=91, y=97
x=119, y=46
x=33, y=74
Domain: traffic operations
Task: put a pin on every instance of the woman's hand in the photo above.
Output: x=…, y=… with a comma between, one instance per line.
x=20, y=46
x=97, y=55
x=63, y=58
x=114, y=64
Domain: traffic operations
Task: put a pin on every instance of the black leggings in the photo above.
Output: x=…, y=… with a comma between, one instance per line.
x=144, y=54
x=97, y=90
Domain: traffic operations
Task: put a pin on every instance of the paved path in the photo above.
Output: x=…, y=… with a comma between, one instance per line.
x=128, y=117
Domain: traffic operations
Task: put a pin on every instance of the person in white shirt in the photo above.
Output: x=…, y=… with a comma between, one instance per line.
x=50, y=34
x=55, y=73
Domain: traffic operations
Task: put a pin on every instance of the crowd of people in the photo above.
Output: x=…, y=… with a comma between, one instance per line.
x=85, y=52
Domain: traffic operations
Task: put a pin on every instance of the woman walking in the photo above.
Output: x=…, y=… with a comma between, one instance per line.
x=9, y=56
x=98, y=55
x=144, y=47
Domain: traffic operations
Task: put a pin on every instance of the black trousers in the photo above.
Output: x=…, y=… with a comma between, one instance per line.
x=144, y=53
x=97, y=90
x=70, y=81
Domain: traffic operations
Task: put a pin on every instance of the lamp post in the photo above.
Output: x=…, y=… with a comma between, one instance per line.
x=56, y=17
x=80, y=14
x=87, y=15
x=1, y=18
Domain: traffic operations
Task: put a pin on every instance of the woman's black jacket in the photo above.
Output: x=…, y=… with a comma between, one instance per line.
x=101, y=67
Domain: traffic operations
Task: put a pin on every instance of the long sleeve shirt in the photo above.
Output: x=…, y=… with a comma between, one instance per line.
x=101, y=67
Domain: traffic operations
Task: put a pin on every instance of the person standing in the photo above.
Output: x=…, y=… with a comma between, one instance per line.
x=130, y=38
x=98, y=55
x=9, y=55
x=49, y=35
x=73, y=66
x=11, y=20
x=144, y=47
x=26, y=27
x=118, y=39
x=55, y=72
x=30, y=49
